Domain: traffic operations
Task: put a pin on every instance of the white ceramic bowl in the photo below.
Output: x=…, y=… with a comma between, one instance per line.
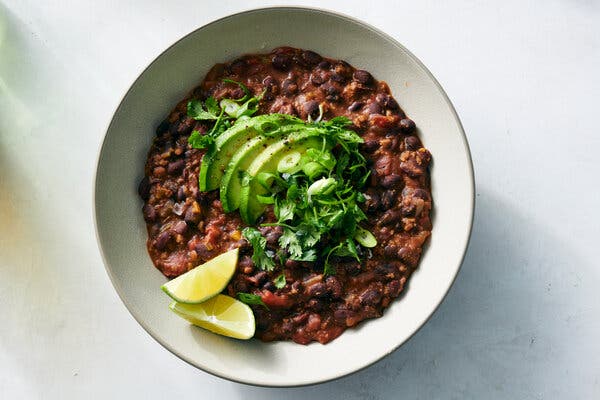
x=122, y=234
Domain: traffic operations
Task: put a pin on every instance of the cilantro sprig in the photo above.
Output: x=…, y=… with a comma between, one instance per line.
x=223, y=114
x=262, y=258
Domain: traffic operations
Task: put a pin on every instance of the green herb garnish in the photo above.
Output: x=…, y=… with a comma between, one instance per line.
x=280, y=281
x=262, y=258
x=250, y=298
x=314, y=183
x=222, y=113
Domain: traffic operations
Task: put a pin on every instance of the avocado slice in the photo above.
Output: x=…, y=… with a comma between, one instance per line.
x=217, y=158
x=231, y=183
x=267, y=161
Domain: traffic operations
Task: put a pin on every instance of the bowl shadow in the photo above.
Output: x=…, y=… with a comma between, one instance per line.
x=486, y=323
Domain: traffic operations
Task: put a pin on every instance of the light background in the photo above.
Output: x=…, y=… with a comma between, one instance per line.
x=523, y=318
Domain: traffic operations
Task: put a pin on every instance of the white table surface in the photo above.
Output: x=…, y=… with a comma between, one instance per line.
x=522, y=320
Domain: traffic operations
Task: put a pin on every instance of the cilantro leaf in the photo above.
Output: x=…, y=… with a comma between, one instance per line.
x=212, y=106
x=260, y=257
x=285, y=210
x=290, y=241
x=280, y=281
x=307, y=255
x=196, y=109
x=200, y=141
x=252, y=299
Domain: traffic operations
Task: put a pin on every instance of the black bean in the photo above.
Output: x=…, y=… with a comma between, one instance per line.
x=238, y=66
x=184, y=127
x=363, y=77
x=357, y=105
x=311, y=108
x=149, y=213
x=390, y=217
x=289, y=87
x=342, y=68
x=311, y=58
x=180, y=227
x=282, y=62
x=406, y=255
x=242, y=286
x=392, y=104
x=176, y=166
x=374, y=108
x=407, y=125
x=245, y=262
x=411, y=142
x=330, y=89
x=181, y=193
x=269, y=81
x=341, y=314
x=270, y=286
x=385, y=269
x=202, y=251
x=324, y=64
x=386, y=101
x=334, y=286
x=162, y=240
x=315, y=304
x=370, y=297
x=353, y=267
x=162, y=127
x=173, y=129
x=272, y=234
x=243, y=244
x=372, y=202
x=332, y=93
x=390, y=181
x=408, y=210
x=370, y=146
x=296, y=286
x=390, y=250
x=192, y=214
x=317, y=79
x=421, y=194
x=388, y=199
x=144, y=188
x=261, y=277
x=317, y=290
x=338, y=78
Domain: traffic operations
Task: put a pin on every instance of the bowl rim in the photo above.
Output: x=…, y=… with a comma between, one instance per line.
x=332, y=13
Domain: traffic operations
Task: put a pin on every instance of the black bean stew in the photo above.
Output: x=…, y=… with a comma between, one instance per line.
x=187, y=227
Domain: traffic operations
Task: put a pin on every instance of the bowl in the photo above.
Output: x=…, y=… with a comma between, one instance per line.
x=121, y=230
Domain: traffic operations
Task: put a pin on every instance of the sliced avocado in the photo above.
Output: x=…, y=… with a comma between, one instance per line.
x=231, y=183
x=215, y=160
x=267, y=161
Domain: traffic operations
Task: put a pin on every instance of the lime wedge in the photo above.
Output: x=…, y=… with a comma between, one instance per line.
x=221, y=314
x=204, y=281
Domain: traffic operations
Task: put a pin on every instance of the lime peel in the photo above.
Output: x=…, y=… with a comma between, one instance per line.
x=203, y=282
